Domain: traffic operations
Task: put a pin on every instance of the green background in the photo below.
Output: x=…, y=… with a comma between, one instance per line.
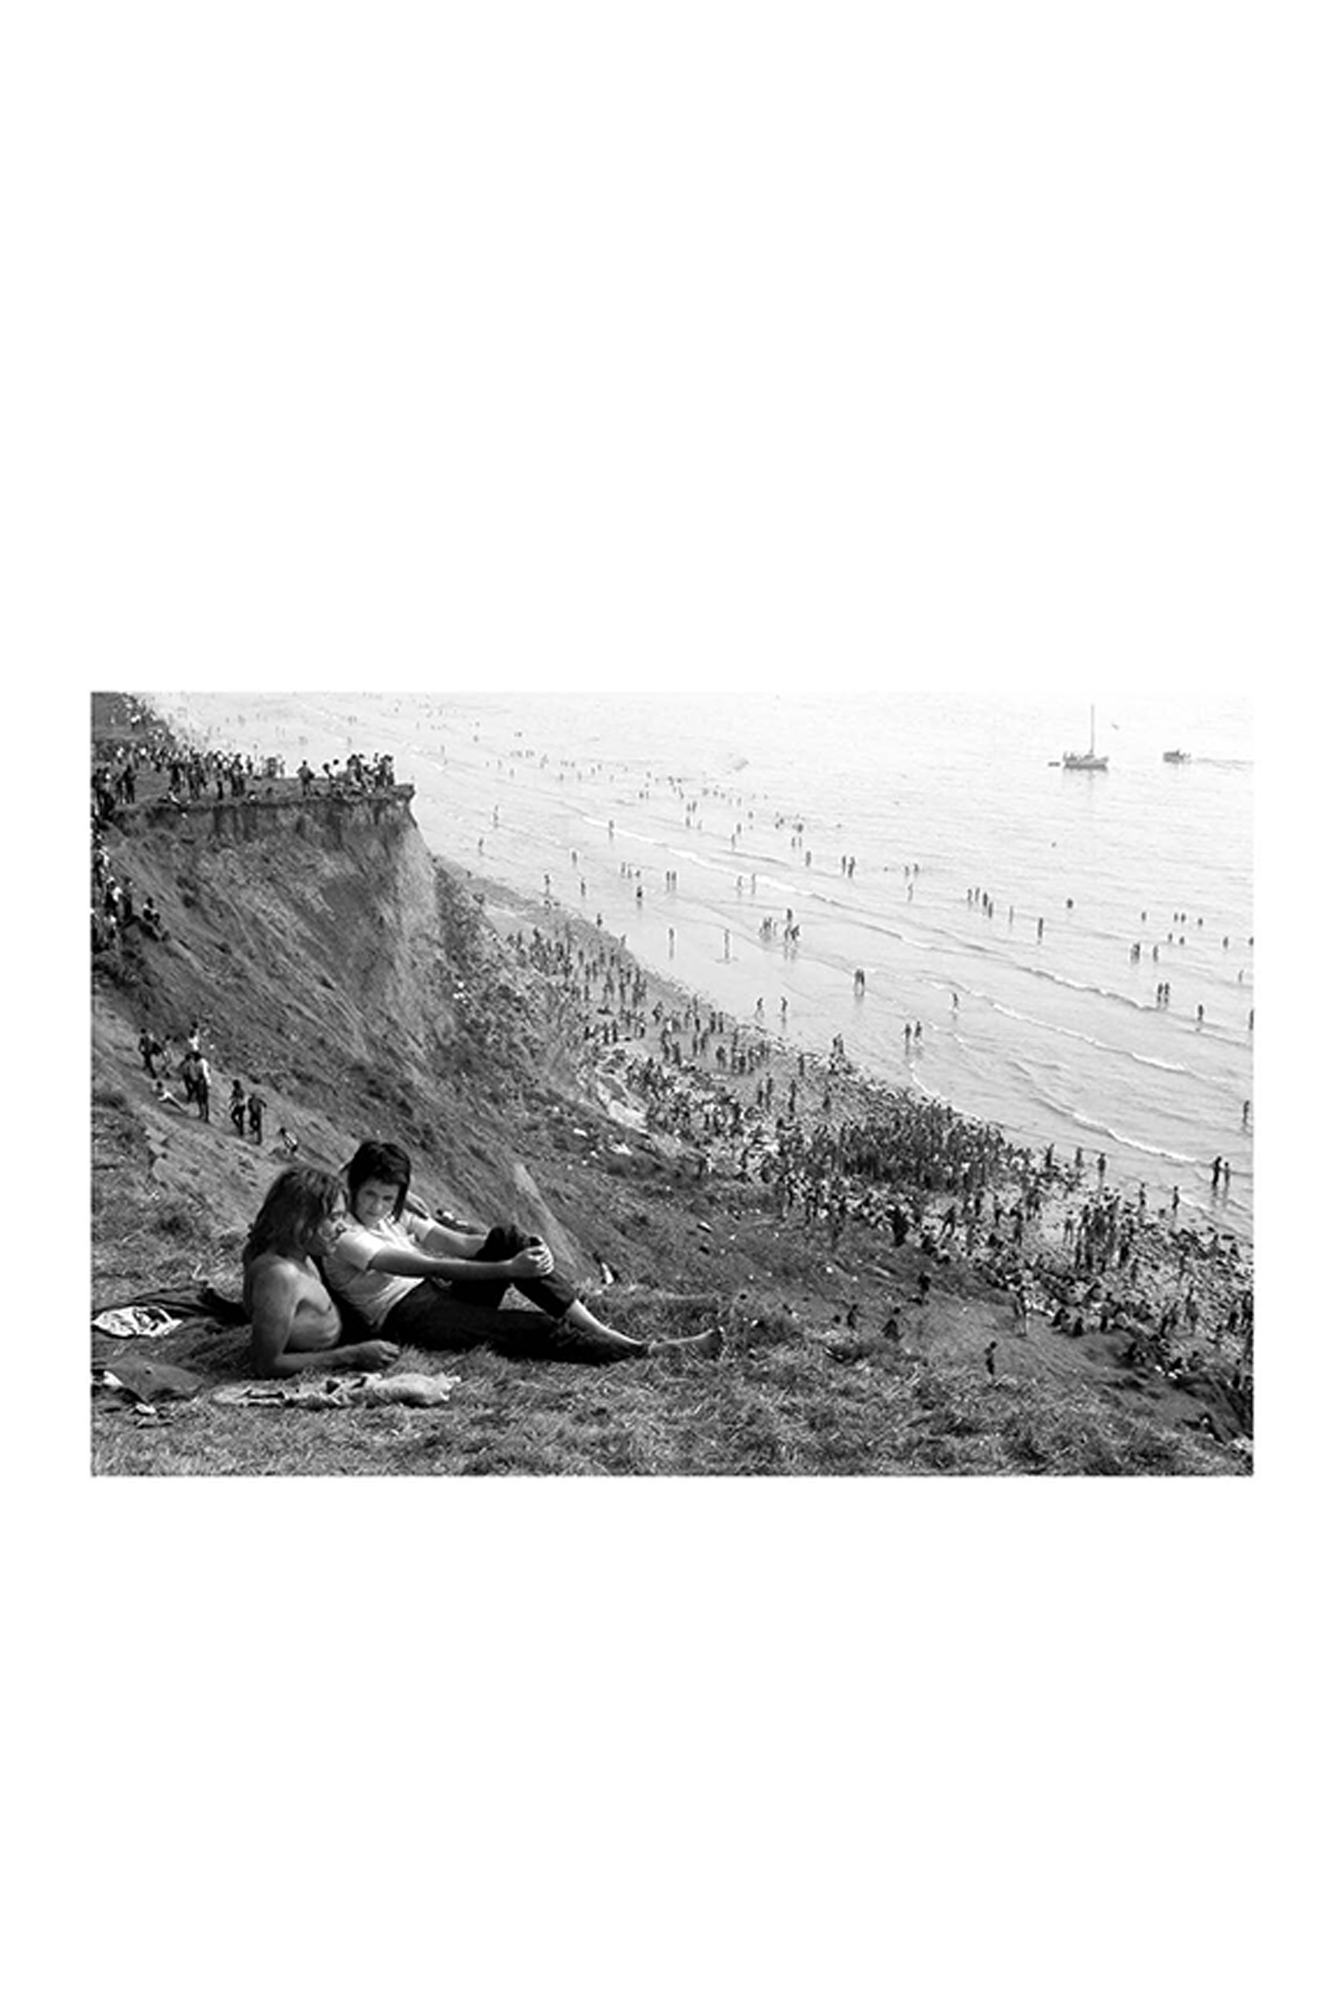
x=599, y=323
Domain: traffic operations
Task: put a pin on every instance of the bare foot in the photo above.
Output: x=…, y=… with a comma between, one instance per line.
x=579, y=1320
x=707, y=1345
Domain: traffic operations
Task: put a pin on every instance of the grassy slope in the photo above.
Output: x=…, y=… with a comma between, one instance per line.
x=364, y=989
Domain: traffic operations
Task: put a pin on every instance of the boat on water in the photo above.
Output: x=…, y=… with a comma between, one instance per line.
x=1175, y=756
x=1073, y=761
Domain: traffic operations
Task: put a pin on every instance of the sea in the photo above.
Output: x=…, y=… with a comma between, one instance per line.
x=933, y=842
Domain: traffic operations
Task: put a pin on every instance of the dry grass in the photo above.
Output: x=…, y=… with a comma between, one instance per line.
x=780, y=1408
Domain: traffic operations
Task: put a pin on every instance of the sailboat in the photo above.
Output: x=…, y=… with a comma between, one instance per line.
x=1090, y=762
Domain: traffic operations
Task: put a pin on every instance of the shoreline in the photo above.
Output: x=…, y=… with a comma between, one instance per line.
x=822, y=1003
x=1181, y=1294
x=852, y=1080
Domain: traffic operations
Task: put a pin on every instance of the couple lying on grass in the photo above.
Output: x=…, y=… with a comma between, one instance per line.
x=345, y=1278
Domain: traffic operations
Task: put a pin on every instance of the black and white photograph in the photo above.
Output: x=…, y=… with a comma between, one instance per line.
x=874, y=1088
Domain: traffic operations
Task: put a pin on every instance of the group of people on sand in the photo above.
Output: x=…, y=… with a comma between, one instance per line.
x=834, y=1151
x=346, y=1273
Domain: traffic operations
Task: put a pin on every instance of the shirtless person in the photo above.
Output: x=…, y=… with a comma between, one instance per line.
x=294, y=1323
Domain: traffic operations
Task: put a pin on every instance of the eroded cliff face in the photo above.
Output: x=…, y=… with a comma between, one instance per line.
x=305, y=934
x=278, y=812
x=333, y=960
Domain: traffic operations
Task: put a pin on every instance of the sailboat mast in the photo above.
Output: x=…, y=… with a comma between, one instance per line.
x=1093, y=730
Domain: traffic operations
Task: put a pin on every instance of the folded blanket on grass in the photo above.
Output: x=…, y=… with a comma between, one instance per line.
x=341, y=1392
x=144, y=1315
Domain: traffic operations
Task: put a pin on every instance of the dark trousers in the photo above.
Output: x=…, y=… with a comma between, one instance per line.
x=467, y=1313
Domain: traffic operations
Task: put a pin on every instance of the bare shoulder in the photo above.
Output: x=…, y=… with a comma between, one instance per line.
x=271, y=1277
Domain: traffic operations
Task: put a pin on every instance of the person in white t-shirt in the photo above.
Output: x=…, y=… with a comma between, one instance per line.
x=417, y=1283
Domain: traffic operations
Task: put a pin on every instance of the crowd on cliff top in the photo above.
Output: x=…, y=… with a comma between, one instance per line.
x=119, y=770
x=830, y=1148
x=152, y=766
x=153, y=760
x=186, y=777
x=357, y=774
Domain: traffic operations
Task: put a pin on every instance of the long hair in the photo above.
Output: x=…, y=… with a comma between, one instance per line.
x=297, y=1206
x=378, y=1160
